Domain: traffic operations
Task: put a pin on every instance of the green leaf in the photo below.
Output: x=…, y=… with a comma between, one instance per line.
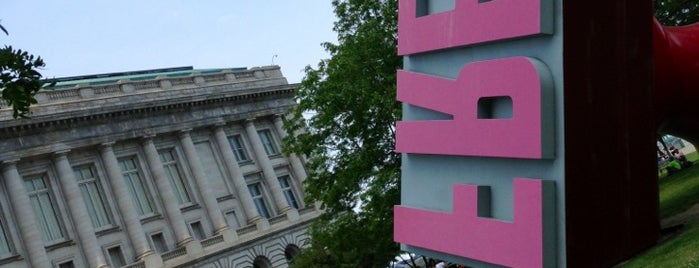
x=676, y=12
x=19, y=79
x=346, y=117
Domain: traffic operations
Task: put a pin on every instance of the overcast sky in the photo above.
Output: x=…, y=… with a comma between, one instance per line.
x=81, y=37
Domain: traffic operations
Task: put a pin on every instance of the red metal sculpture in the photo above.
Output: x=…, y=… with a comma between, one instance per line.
x=676, y=56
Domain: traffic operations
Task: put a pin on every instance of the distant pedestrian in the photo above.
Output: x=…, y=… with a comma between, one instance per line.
x=677, y=154
x=441, y=264
x=673, y=166
x=431, y=263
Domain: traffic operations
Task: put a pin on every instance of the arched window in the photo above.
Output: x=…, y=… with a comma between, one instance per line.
x=261, y=262
x=290, y=252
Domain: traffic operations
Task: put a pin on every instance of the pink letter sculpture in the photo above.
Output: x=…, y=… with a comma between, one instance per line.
x=521, y=243
x=526, y=135
x=470, y=22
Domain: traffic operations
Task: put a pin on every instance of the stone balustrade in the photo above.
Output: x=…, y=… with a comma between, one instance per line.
x=88, y=91
x=59, y=103
x=212, y=241
x=181, y=251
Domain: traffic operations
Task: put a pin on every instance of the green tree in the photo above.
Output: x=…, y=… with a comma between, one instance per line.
x=19, y=78
x=345, y=123
x=676, y=12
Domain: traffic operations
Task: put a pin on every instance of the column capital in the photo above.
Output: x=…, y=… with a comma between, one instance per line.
x=220, y=122
x=59, y=149
x=9, y=163
x=60, y=153
x=279, y=124
x=147, y=139
x=185, y=132
x=278, y=116
x=220, y=130
x=249, y=121
x=107, y=145
x=219, y=126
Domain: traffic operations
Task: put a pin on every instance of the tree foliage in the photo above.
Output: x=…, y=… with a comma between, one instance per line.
x=345, y=124
x=19, y=78
x=676, y=12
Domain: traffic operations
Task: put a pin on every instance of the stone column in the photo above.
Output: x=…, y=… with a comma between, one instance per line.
x=78, y=211
x=195, y=165
x=294, y=160
x=127, y=209
x=266, y=166
x=172, y=207
x=33, y=243
x=241, y=187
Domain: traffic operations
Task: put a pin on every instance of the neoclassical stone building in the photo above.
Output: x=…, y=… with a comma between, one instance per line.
x=160, y=168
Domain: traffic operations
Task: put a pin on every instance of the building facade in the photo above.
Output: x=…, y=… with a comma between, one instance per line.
x=160, y=168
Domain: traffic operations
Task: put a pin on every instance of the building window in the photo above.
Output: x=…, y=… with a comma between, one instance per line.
x=267, y=142
x=44, y=208
x=158, y=242
x=290, y=253
x=196, y=230
x=261, y=262
x=139, y=194
x=93, y=196
x=67, y=264
x=285, y=183
x=232, y=220
x=5, y=249
x=238, y=148
x=175, y=177
x=116, y=256
x=258, y=199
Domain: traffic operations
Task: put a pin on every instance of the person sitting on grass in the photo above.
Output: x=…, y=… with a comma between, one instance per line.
x=673, y=166
x=677, y=154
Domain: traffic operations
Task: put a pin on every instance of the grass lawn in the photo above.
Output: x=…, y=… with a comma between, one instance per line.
x=681, y=251
x=693, y=156
x=678, y=193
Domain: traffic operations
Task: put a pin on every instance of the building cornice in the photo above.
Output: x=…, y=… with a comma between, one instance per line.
x=126, y=99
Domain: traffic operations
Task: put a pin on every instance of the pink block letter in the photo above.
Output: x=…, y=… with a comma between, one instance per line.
x=470, y=23
x=521, y=243
x=527, y=134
